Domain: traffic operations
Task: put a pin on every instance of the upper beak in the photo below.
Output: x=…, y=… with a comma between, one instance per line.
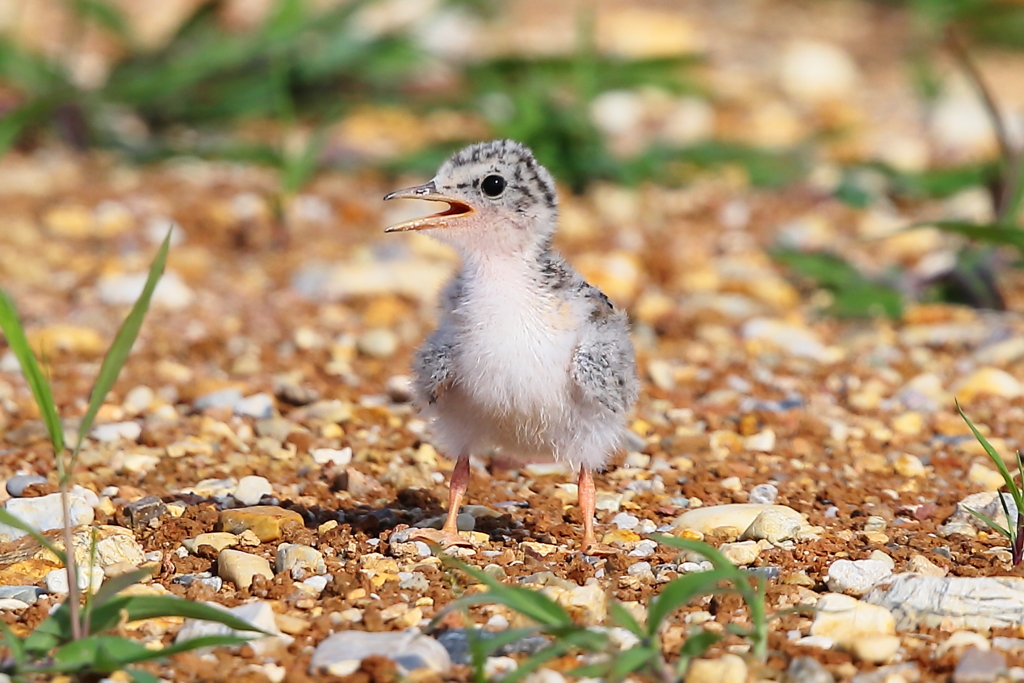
x=428, y=191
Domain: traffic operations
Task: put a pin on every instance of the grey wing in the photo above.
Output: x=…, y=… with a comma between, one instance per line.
x=603, y=363
x=433, y=366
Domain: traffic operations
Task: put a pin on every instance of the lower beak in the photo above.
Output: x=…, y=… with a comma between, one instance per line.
x=428, y=192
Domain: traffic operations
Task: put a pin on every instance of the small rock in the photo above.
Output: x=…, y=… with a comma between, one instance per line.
x=844, y=619
x=224, y=398
x=251, y=489
x=812, y=72
x=17, y=484
x=763, y=494
x=57, y=580
x=586, y=603
x=738, y=516
x=116, y=431
x=762, y=442
x=124, y=289
x=728, y=668
x=139, y=399
x=856, y=577
x=341, y=653
x=379, y=342
x=260, y=614
x=880, y=556
x=908, y=465
x=959, y=641
x=742, y=553
x=875, y=649
x=266, y=521
x=143, y=513
x=25, y=594
x=291, y=557
x=241, y=568
x=45, y=513
x=986, y=477
x=332, y=456
x=624, y=520
x=919, y=564
x=259, y=406
x=807, y=670
x=788, y=338
x=973, y=603
x=608, y=501
x=979, y=666
x=399, y=388
x=776, y=524
x=991, y=381
x=218, y=540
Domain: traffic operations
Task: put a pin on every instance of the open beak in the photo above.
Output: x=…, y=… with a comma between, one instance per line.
x=428, y=192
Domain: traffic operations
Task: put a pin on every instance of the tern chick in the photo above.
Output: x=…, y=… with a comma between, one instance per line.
x=528, y=357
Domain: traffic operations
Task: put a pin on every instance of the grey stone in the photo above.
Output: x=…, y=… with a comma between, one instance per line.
x=456, y=642
x=117, y=431
x=260, y=614
x=292, y=557
x=142, y=513
x=763, y=494
x=27, y=594
x=807, y=670
x=251, y=489
x=979, y=666
x=17, y=484
x=856, y=577
x=259, y=406
x=224, y=398
x=340, y=654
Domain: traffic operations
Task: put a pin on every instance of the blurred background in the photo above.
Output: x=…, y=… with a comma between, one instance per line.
x=821, y=130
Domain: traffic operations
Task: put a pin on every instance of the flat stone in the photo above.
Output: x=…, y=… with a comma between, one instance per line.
x=844, y=619
x=117, y=431
x=339, y=457
x=26, y=594
x=776, y=524
x=251, y=489
x=259, y=406
x=17, y=484
x=223, y=398
x=266, y=521
x=875, y=649
x=260, y=614
x=218, y=540
x=241, y=568
x=742, y=553
x=856, y=577
x=125, y=288
x=991, y=381
x=45, y=512
x=971, y=603
x=736, y=515
x=341, y=653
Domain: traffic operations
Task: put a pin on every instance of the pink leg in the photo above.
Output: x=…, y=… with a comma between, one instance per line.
x=587, y=494
x=456, y=490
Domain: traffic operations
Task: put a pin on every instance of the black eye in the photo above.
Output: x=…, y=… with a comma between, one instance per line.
x=493, y=185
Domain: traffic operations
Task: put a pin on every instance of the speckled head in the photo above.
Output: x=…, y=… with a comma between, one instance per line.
x=497, y=196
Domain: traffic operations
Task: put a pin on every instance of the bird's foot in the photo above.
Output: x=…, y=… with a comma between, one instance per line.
x=595, y=549
x=445, y=539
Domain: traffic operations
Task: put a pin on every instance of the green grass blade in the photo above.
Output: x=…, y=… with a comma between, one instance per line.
x=536, y=661
x=695, y=646
x=527, y=602
x=996, y=526
x=677, y=593
x=37, y=382
x=140, y=607
x=992, y=233
x=13, y=643
x=621, y=616
x=1015, y=491
x=11, y=520
x=632, y=660
x=713, y=555
x=140, y=676
x=111, y=587
x=123, y=342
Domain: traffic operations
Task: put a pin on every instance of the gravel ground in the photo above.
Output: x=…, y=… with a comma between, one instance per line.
x=260, y=449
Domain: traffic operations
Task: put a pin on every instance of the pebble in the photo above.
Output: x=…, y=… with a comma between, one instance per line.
x=984, y=476
x=813, y=72
x=908, y=465
x=266, y=521
x=960, y=641
x=399, y=388
x=340, y=654
x=25, y=594
x=125, y=288
x=970, y=603
x=332, y=456
x=223, y=398
x=728, y=668
x=875, y=649
x=785, y=337
x=139, y=399
x=378, y=342
x=919, y=564
x=145, y=512
x=588, y=603
x=57, y=581
x=241, y=568
x=979, y=666
x=644, y=548
x=45, y=512
x=117, y=545
x=251, y=489
x=218, y=540
x=856, y=577
x=990, y=381
x=608, y=501
x=259, y=406
x=763, y=494
x=116, y=431
x=17, y=484
x=762, y=442
x=12, y=604
x=807, y=670
x=738, y=516
x=742, y=553
x=844, y=619
x=317, y=583
x=624, y=520
x=259, y=613
x=291, y=557
x=776, y=524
